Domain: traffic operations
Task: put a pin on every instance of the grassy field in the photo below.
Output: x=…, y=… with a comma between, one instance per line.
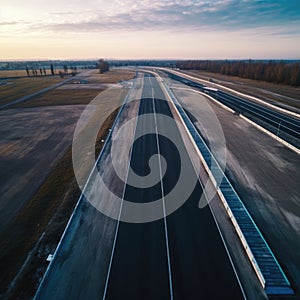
x=16, y=88
x=48, y=211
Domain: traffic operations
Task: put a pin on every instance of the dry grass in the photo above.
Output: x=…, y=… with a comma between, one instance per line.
x=17, y=88
x=112, y=76
x=12, y=73
x=48, y=211
x=62, y=97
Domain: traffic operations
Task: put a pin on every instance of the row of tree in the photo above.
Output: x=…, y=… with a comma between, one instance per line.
x=36, y=72
x=271, y=71
x=42, y=71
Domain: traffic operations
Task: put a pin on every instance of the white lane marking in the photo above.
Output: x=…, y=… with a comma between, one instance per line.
x=163, y=201
x=119, y=216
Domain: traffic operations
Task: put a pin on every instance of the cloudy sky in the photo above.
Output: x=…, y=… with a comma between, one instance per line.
x=149, y=29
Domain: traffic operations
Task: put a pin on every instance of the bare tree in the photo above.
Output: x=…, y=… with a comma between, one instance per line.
x=52, y=69
x=66, y=69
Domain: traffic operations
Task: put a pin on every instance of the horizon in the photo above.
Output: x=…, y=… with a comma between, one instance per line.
x=19, y=60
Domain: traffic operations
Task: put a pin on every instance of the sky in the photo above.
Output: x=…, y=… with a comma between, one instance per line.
x=149, y=29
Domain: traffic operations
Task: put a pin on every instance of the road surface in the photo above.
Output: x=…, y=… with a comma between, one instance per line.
x=181, y=256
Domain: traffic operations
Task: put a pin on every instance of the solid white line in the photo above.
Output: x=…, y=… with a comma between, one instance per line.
x=163, y=201
x=119, y=217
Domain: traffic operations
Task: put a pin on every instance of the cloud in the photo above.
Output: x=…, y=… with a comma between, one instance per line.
x=228, y=14
x=8, y=23
x=130, y=15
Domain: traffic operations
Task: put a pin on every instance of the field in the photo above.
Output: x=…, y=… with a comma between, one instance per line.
x=62, y=97
x=13, y=89
x=39, y=190
x=12, y=73
x=72, y=93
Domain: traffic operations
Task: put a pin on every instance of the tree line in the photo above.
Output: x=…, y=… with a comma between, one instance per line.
x=272, y=71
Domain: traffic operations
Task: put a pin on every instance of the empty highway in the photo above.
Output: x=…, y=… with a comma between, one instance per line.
x=180, y=256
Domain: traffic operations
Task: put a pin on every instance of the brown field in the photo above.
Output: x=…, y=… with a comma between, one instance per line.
x=13, y=89
x=17, y=88
x=62, y=97
x=12, y=73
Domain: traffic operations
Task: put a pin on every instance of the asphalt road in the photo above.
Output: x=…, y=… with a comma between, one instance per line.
x=181, y=256
x=286, y=127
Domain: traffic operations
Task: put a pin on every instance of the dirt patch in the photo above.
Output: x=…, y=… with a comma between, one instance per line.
x=39, y=225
